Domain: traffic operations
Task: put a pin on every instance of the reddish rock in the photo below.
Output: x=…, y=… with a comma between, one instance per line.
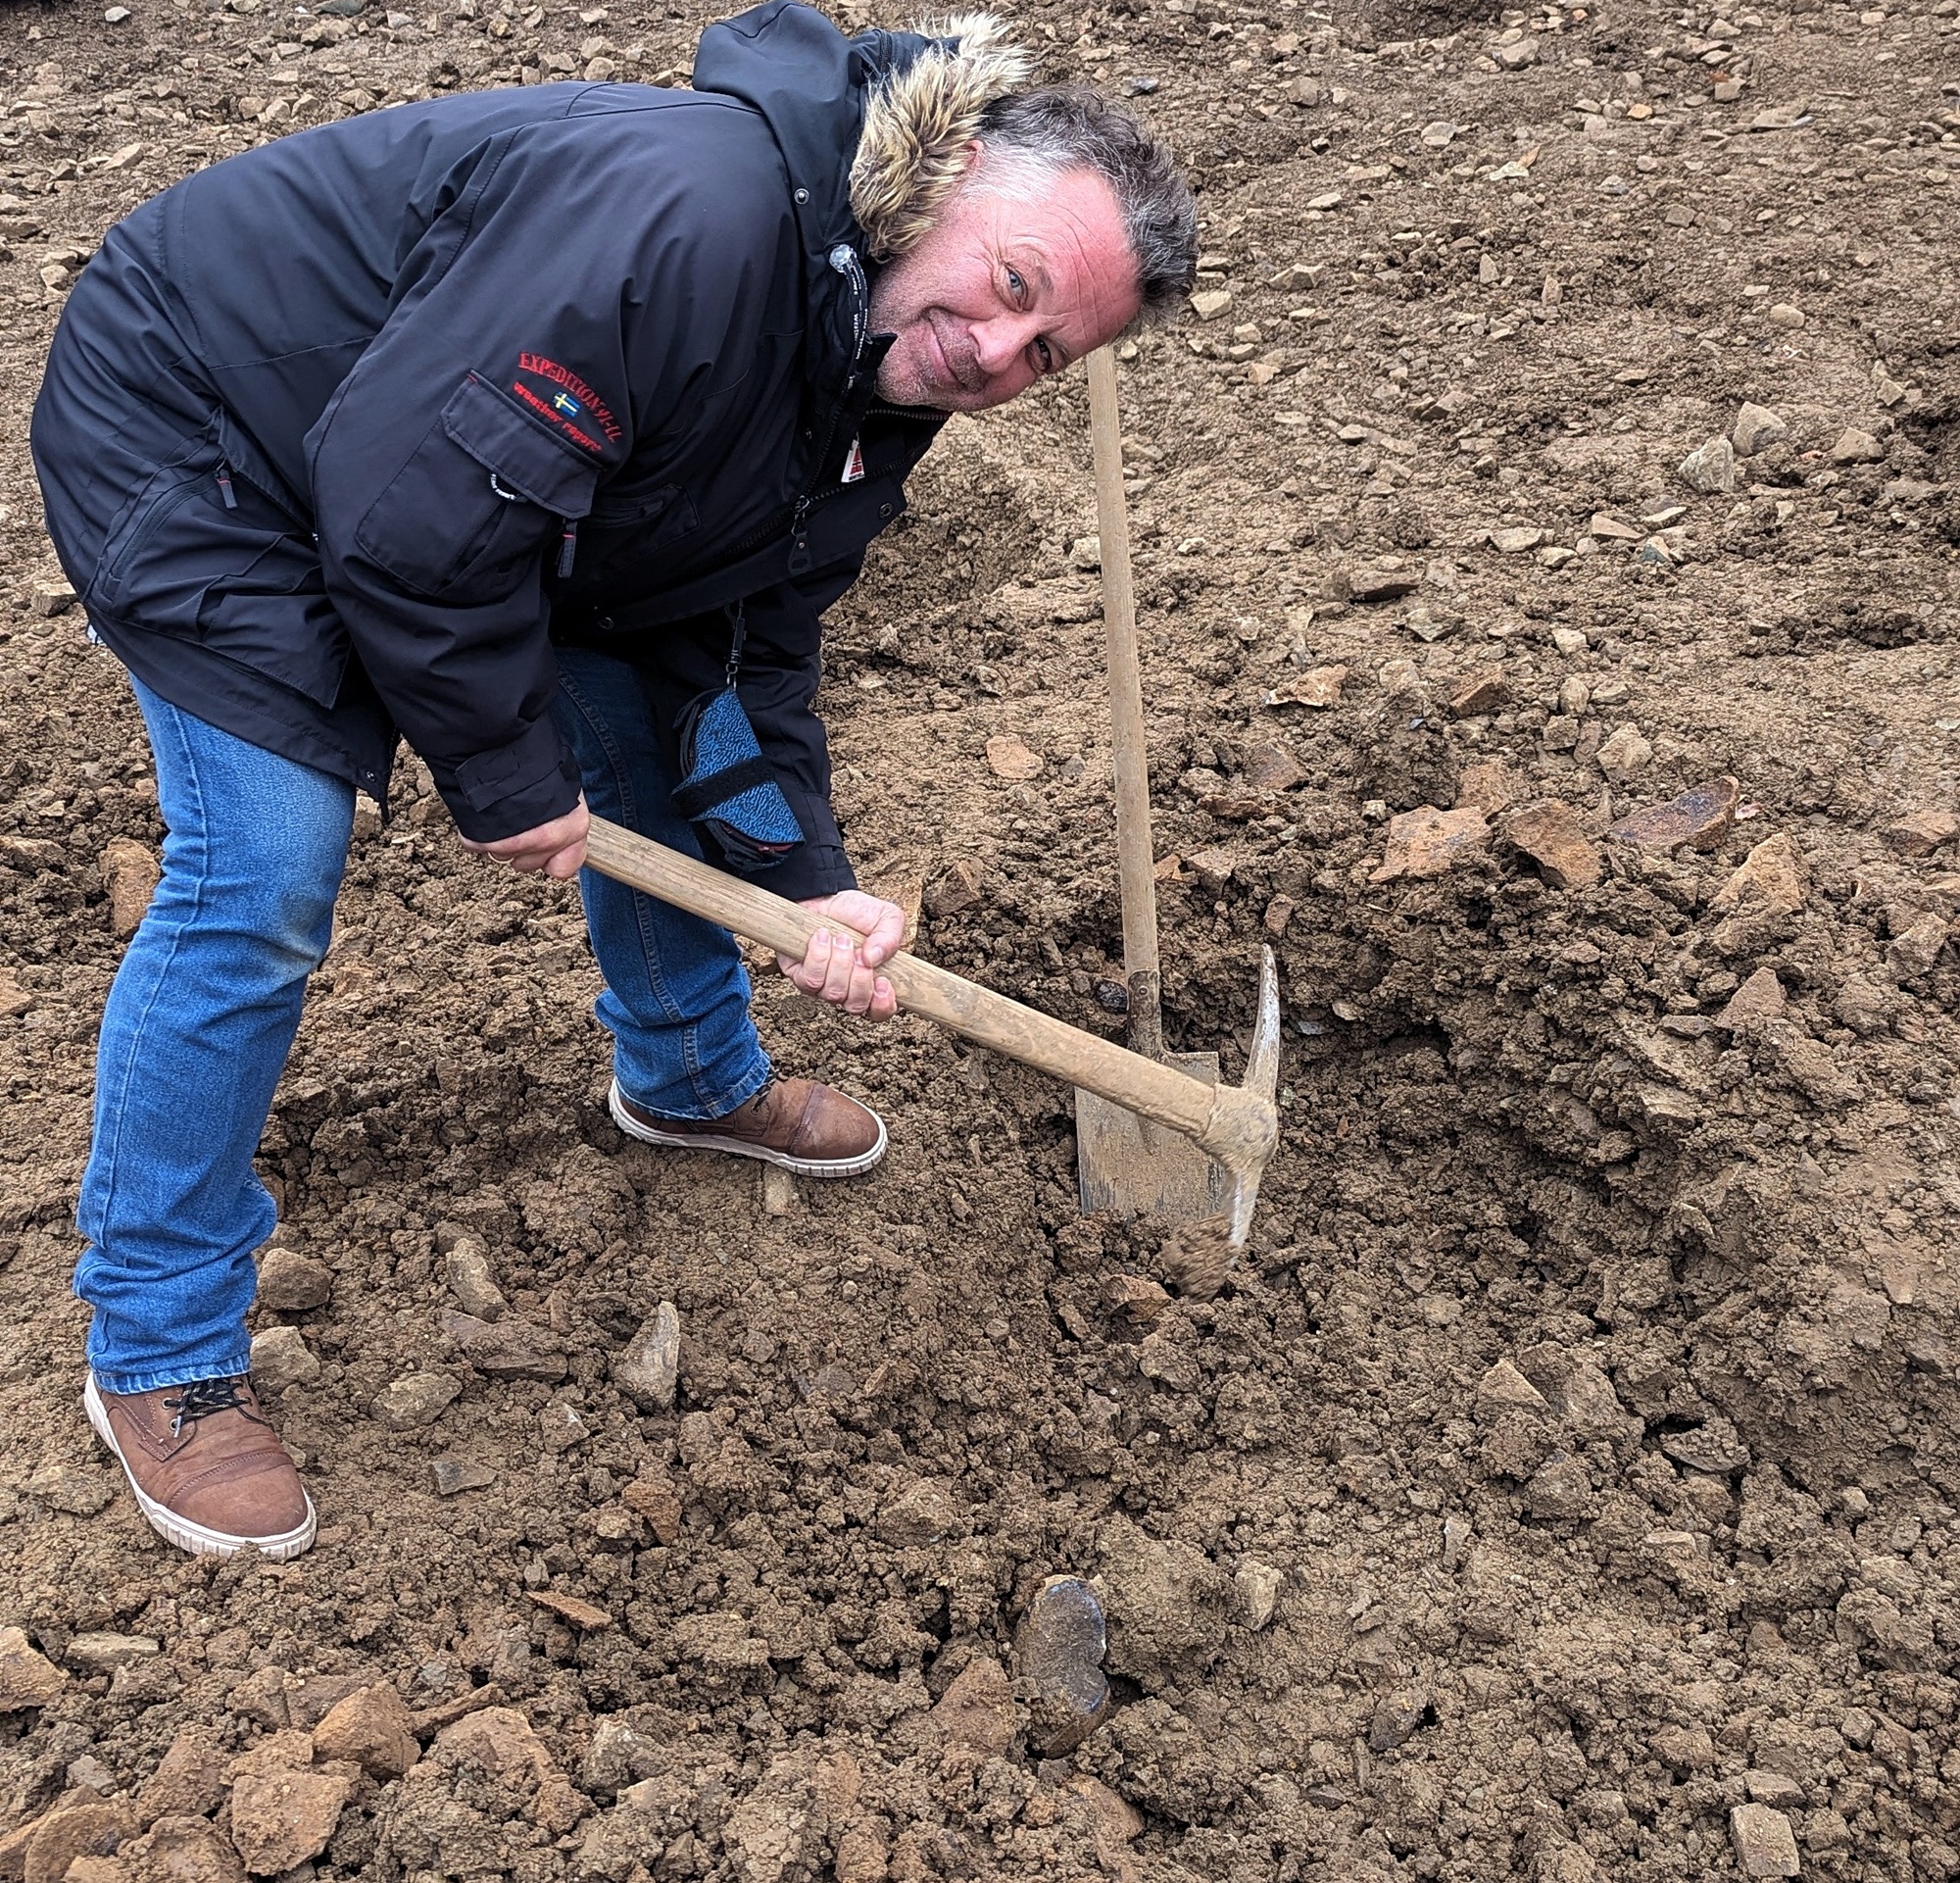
x=1490, y=787
x=282, y=1817
x=978, y=1710
x=1759, y=998
x=73, y=1831
x=1318, y=686
x=372, y=1728
x=655, y=1500
x=586, y=1617
x=1427, y=842
x=1772, y=880
x=26, y=1678
x=1550, y=835
x=1698, y=819
x=1483, y=691
x=1007, y=757
x=501, y=1741
x=188, y=1782
x=1920, y=833
x=129, y=874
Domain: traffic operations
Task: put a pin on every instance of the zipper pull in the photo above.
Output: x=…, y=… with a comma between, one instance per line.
x=799, y=538
x=568, y=549
x=224, y=490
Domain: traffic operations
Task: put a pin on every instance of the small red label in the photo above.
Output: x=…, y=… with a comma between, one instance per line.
x=854, y=464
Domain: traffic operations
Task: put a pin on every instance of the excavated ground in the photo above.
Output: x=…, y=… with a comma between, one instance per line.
x=1564, y=1483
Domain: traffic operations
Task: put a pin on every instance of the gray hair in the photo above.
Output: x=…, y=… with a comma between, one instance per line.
x=1029, y=137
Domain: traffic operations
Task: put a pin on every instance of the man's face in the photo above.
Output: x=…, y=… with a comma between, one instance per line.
x=1002, y=292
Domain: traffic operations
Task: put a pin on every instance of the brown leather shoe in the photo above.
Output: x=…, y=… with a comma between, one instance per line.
x=809, y=1128
x=206, y=1467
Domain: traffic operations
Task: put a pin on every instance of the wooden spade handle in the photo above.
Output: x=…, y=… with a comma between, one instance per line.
x=1135, y=859
x=1239, y=1128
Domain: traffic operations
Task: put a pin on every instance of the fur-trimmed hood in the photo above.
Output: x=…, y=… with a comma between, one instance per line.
x=919, y=120
x=901, y=106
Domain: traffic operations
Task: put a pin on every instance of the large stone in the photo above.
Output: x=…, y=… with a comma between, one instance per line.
x=1427, y=842
x=1756, y=428
x=283, y=1817
x=179, y=1849
x=70, y=1488
x=1059, y=1648
x=1772, y=880
x=280, y=1359
x=978, y=1710
x=415, y=1400
x=1479, y=692
x=102, y=1653
x=1549, y=833
x=290, y=1283
x=499, y=1740
x=656, y=1500
x=129, y=874
x=1759, y=998
x=73, y=1832
x=372, y=1728
x=1920, y=833
x=189, y=1780
x=1007, y=757
x=1503, y=1389
x=647, y=1369
x=1765, y=1845
x=1711, y=468
x=1858, y=447
x=472, y=1281
x=26, y=1678
x=1255, y=1589
x=1698, y=819
x=508, y=1349
x=1624, y=750
x=1914, y=951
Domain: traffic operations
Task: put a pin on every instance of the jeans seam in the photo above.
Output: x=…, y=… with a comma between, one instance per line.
x=132, y=1050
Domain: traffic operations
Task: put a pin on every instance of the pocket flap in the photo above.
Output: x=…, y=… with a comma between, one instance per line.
x=496, y=432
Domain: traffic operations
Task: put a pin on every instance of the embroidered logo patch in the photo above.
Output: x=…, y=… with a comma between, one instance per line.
x=563, y=398
x=854, y=464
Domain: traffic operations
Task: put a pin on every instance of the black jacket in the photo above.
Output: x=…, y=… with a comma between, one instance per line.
x=339, y=434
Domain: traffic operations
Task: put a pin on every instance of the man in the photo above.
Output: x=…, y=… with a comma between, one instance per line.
x=539, y=427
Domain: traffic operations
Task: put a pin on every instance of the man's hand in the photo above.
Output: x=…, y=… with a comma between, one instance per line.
x=835, y=970
x=556, y=848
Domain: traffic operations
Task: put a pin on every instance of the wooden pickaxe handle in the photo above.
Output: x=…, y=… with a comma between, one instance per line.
x=1239, y=1128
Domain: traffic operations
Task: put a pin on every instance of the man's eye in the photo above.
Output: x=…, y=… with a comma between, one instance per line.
x=1046, y=355
x=1015, y=285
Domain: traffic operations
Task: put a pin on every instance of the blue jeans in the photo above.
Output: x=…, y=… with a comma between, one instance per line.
x=204, y=1007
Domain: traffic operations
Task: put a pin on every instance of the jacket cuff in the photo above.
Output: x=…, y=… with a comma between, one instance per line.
x=809, y=870
x=510, y=788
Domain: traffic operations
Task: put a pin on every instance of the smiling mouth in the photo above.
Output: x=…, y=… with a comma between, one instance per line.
x=943, y=365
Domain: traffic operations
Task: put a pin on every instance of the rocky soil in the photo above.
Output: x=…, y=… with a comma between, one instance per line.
x=1547, y=537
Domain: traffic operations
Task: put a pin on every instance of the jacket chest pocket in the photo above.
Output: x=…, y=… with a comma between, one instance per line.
x=466, y=518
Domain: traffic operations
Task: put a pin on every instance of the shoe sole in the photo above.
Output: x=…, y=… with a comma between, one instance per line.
x=180, y=1530
x=741, y=1148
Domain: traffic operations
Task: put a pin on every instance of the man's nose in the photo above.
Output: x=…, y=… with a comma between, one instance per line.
x=1000, y=343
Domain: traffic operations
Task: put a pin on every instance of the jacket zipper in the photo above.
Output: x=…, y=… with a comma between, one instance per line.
x=225, y=490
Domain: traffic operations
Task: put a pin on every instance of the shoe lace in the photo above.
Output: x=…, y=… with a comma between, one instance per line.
x=202, y=1397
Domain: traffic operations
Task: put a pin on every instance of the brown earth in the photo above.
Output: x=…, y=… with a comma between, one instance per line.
x=1584, y=1410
